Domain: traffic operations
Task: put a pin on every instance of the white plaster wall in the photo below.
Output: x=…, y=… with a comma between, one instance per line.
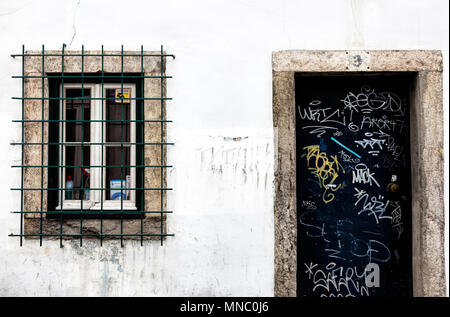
x=222, y=88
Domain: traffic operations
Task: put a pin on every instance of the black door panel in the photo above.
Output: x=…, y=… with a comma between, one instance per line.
x=353, y=185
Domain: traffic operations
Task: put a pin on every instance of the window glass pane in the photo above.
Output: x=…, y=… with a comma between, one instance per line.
x=117, y=131
x=77, y=177
x=117, y=175
x=77, y=109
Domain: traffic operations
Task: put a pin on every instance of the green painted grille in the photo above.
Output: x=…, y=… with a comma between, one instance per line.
x=102, y=78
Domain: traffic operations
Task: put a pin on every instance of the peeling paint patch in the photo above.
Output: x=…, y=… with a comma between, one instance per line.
x=236, y=139
x=248, y=158
x=105, y=278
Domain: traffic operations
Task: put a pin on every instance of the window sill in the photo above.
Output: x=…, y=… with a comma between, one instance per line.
x=111, y=209
x=75, y=205
x=115, y=205
x=90, y=205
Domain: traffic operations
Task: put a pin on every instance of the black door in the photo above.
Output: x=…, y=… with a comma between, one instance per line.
x=353, y=185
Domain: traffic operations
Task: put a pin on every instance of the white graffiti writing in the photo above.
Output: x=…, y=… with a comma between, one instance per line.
x=362, y=175
x=368, y=100
x=348, y=158
x=309, y=205
x=337, y=281
x=371, y=143
x=374, y=206
x=382, y=123
x=397, y=222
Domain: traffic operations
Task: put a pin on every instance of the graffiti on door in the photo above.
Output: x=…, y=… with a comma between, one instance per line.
x=353, y=191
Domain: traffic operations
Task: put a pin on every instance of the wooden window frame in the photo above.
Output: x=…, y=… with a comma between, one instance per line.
x=98, y=111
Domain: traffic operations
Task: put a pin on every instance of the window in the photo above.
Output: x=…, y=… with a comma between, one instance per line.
x=98, y=147
x=94, y=147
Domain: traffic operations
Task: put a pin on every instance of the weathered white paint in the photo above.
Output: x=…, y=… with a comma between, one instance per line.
x=222, y=89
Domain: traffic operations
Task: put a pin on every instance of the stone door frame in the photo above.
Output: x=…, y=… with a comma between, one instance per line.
x=427, y=155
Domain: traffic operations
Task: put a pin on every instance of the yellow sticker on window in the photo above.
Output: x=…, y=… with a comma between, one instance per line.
x=123, y=95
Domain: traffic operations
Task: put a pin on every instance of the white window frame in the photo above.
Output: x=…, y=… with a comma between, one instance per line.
x=98, y=112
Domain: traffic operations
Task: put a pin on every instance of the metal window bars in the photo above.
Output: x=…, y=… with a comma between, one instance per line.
x=102, y=78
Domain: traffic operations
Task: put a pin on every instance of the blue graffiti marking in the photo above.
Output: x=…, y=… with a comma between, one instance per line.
x=323, y=147
x=358, y=156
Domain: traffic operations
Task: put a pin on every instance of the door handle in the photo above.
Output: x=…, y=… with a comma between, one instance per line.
x=393, y=187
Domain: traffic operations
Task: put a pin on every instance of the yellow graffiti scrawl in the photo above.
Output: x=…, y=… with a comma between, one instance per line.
x=326, y=169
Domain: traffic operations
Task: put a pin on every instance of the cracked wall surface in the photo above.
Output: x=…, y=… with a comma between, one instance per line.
x=223, y=217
